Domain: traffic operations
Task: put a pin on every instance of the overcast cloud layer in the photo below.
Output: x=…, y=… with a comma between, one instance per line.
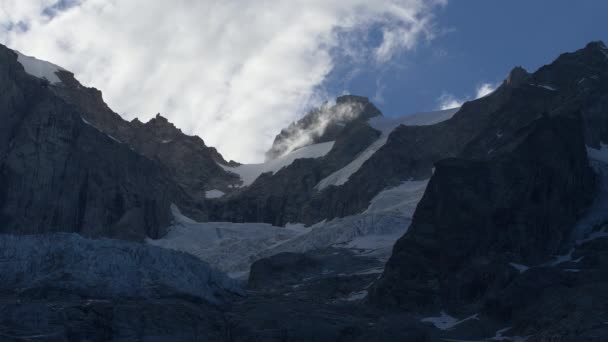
x=233, y=72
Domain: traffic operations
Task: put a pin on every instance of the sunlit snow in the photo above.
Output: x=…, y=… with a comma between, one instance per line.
x=233, y=247
x=250, y=172
x=38, y=68
x=211, y=194
x=386, y=126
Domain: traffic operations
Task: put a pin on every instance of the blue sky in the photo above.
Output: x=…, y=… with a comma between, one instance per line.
x=480, y=41
x=236, y=72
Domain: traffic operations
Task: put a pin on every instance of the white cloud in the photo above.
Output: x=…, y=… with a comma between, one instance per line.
x=449, y=101
x=485, y=89
x=234, y=72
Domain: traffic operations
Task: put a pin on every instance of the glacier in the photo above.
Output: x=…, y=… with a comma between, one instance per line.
x=107, y=269
x=233, y=247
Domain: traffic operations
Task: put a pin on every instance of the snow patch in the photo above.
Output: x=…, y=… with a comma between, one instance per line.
x=544, y=86
x=560, y=259
x=111, y=137
x=356, y=296
x=402, y=199
x=250, y=172
x=597, y=214
x=519, y=267
x=386, y=126
x=598, y=155
x=211, y=194
x=499, y=336
x=86, y=122
x=38, y=68
x=447, y=322
x=593, y=236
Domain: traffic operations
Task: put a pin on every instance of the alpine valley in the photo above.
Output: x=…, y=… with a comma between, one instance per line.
x=487, y=222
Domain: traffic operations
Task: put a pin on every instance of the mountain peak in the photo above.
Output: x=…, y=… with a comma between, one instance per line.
x=598, y=44
x=322, y=124
x=352, y=99
x=517, y=76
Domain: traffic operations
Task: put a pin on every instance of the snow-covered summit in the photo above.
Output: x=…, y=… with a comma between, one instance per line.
x=39, y=68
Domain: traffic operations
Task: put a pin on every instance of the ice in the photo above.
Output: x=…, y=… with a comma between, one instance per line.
x=355, y=296
x=402, y=199
x=560, y=259
x=250, y=172
x=598, y=155
x=447, y=322
x=593, y=236
x=106, y=268
x=111, y=137
x=211, y=194
x=341, y=176
x=38, y=68
x=386, y=126
x=545, y=87
x=499, y=336
x=86, y=122
x=233, y=247
x=597, y=214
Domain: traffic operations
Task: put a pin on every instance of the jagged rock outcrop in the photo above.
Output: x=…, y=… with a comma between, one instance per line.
x=478, y=216
x=192, y=164
x=323, y=124
x=574, y=82
x=510, y=197
x=58, y=173
x=288, y=195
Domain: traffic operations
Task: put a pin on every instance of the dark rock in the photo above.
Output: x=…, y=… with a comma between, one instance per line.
x=518, y=206
x=290, y=194
x=60, y=174
x=323, y=124
x=281, y=269
x=189, y=162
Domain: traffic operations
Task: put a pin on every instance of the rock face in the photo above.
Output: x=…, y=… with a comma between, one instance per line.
x=478, y=216
x=61, y=174
x=62, y=287
x=510, y=197
x=283, y=268
x=491, y=241
x=323, y=124
x=189, y=162
x=290, y=194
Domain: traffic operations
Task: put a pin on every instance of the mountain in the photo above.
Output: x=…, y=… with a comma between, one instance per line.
x=485, y=222
x=322, y=124
x=509, y=201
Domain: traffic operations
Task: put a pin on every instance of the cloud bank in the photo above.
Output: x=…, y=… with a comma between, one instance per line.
x=234, y=72
x=449, y=101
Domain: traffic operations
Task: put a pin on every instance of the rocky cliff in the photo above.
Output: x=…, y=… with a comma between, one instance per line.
x=60, y=173
x=495, y=217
